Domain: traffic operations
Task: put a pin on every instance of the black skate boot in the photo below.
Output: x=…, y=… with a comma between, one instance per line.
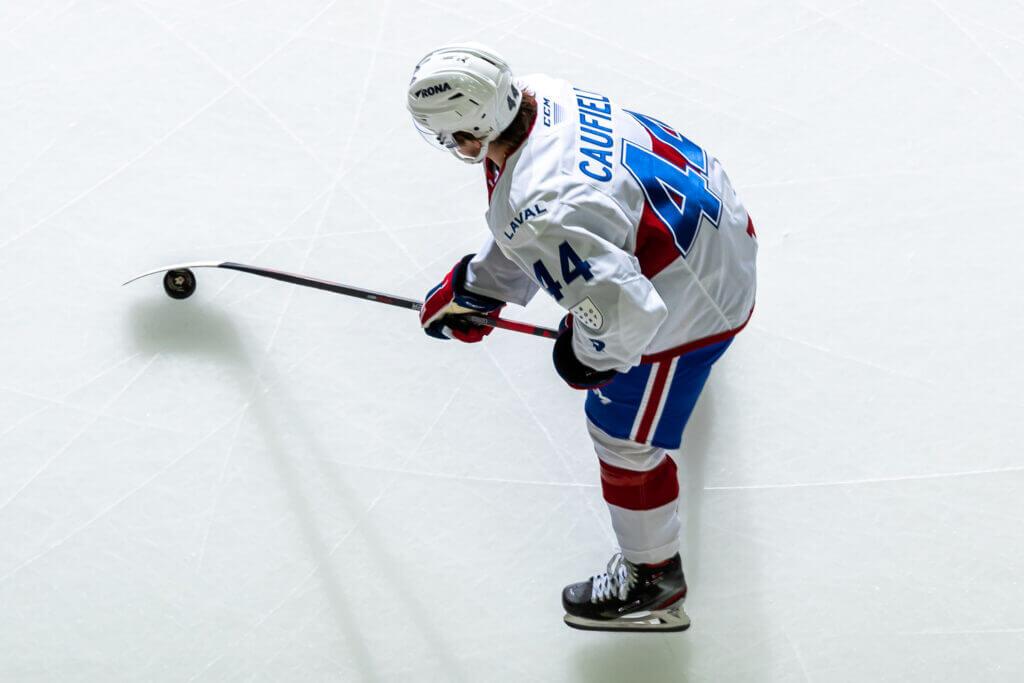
x=629, y=597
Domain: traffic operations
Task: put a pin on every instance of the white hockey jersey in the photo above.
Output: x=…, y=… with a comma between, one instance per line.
x=626, y=223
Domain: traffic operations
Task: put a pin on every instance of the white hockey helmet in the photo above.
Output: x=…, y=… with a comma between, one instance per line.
x=463, y=88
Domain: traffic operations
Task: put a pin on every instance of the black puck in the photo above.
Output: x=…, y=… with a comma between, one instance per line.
x=179, y=284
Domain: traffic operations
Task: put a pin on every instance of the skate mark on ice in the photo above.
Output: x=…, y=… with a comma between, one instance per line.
x=319, y=566
x=105, y=511
x=79, y=434
x=879, y=480
x=957, y=24
x=588, y=500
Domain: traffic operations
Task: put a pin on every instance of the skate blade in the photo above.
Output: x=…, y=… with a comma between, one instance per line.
x=662, y=620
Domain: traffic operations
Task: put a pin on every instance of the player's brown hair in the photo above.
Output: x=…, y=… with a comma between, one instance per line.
x=517, y=131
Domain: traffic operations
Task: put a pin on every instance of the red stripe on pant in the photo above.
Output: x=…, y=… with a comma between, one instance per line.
x=660, y=377
x=640, y=490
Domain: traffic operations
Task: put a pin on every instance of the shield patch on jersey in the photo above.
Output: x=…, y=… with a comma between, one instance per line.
x=588, y=314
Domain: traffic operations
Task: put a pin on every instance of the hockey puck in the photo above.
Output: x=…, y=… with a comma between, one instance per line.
x=179, y=284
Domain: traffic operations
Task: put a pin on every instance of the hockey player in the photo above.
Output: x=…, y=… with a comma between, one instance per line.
x=637, y=232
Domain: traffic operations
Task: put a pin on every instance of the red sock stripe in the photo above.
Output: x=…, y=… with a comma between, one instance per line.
x=660, y=377
x=640, y=490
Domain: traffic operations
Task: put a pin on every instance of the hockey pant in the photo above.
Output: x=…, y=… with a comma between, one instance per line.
x=633, y=421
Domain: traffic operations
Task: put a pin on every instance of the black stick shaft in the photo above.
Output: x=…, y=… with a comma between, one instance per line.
x=379, y=297
x=326, y=285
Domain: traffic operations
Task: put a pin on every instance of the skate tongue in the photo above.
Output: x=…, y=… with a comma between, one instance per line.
x=616, y=581
x=615, y=564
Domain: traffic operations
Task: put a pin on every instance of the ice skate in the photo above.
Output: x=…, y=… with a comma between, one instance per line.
x=629, y=597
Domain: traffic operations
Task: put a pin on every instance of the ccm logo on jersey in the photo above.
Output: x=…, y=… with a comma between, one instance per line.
x=538, y=209
x=551, y=113
x=596, y=141
x=432, y=90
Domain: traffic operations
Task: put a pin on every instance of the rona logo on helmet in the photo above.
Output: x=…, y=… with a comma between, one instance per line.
x=432, y=90
x=464, y=88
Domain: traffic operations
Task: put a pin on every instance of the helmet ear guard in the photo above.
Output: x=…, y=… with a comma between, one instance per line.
x=480, y=156
x=462, y=88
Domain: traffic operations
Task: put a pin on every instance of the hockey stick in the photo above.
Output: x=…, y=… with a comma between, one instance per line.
x=347, y=290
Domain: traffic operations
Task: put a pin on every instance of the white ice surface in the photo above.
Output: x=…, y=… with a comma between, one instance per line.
x=266, y=483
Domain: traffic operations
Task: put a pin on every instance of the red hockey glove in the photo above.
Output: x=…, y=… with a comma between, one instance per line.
x=443, y=312
x=568, y=366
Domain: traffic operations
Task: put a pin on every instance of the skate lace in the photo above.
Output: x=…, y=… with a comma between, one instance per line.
x=618, y=578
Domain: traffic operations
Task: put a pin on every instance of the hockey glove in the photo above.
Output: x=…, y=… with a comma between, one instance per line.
x=568, y=366
x=443, y=312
